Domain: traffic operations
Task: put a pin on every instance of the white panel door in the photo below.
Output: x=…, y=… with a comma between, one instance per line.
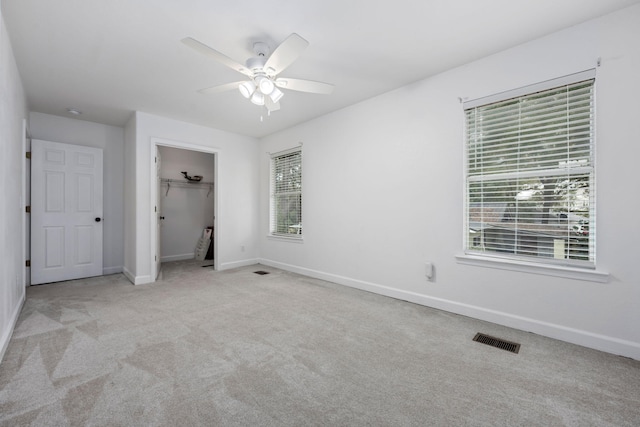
x=66, y=211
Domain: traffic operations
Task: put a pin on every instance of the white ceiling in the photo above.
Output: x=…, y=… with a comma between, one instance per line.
x=108, y=58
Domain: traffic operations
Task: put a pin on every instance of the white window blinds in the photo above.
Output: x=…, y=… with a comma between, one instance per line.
x=530, y=176
x=286, y=193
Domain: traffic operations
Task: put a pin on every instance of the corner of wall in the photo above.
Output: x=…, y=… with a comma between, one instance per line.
x=129, y=153
x=13, y=105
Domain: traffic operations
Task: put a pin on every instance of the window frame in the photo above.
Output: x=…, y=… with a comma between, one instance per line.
x=274, y=194
x=533, y=263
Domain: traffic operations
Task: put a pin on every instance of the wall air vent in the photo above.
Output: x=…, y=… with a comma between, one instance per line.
x=497, y=342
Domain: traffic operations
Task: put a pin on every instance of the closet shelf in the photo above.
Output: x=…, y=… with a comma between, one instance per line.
x=185, y=184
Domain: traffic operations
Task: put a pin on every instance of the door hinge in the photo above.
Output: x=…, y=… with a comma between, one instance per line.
x=155, y=209
x=155, y=160
x=27, y=263
x=155, y=257
x=28, y=154
x=27, y=209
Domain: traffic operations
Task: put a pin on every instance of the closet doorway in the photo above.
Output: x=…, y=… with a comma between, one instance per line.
x=185, y=205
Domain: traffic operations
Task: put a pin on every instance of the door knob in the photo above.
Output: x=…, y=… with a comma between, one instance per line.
x=98, y=219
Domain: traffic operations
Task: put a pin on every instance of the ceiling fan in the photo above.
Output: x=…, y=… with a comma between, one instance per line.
x=263, y=86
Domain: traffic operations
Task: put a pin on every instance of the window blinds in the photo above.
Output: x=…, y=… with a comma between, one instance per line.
x=286, y=196
x=530, y=175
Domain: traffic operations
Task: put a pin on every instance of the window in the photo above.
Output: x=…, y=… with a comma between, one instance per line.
x=530, y=174
x=286, y=193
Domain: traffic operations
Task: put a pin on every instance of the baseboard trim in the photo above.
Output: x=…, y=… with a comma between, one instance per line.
x=128, y=275
x=182, y=257
x=136, y=280
x=143, y=280
x=575, y=336
x=236, y=264
x=112, y=270
x=6, y=336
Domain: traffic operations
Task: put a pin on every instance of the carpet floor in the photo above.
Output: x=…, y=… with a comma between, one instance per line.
x=233, y=348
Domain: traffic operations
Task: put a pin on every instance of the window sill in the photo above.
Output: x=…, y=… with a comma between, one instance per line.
x=534, y=268
x=293, y=239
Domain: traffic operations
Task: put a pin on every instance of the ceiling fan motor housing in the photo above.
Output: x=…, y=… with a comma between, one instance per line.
x=256, y=64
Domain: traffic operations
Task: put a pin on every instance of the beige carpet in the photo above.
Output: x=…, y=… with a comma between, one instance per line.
x=232, y=348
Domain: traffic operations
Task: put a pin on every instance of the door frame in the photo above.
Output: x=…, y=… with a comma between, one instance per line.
x=155, y=142
x=26, y=201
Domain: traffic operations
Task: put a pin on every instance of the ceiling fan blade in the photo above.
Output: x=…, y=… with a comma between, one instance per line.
x=271, y=106
x=220, y=57
x=220, y=88
x=305, y=85
x=284, y=55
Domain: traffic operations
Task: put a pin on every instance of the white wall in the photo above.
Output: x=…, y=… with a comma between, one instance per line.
x=111, y=140
x=186, y=209
x=383, y=193
x=130, y=243
x=13, y=112
x=237, y=191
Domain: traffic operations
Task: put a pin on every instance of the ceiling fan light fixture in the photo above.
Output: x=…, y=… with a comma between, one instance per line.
x=257, y=98
x=265, y=84
x=247, y=89
x=276, y=94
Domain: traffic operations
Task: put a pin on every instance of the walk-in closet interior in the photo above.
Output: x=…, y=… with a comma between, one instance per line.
x=187, y=205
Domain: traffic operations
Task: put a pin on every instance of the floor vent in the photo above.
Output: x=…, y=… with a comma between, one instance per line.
x=262, y=273
x=497, y=342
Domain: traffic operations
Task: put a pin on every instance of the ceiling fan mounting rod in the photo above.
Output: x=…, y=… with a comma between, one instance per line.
x=261, y=49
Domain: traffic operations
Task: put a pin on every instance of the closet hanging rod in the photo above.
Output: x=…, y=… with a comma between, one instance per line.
x=188, y=184
x=182, y=181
